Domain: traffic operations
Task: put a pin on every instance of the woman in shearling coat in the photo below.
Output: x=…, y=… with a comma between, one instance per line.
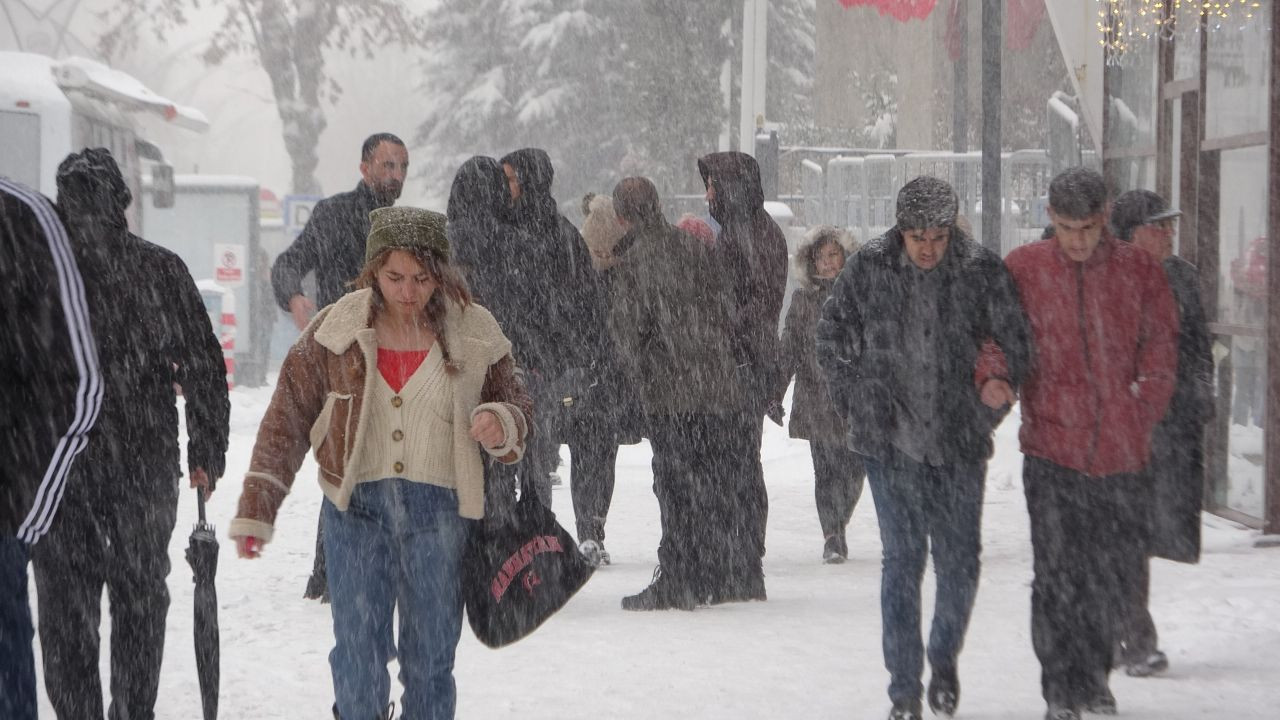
x=838, y=471
x=395, y=388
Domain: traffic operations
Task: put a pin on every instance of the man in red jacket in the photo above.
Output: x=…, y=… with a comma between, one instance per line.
x=1104, y=326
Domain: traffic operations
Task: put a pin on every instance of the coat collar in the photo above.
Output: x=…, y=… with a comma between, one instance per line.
x=343, y=321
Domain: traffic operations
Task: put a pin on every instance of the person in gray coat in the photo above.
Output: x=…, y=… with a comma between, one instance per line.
x=838, y=472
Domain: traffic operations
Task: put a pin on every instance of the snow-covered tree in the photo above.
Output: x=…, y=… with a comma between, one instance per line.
x=289, y=39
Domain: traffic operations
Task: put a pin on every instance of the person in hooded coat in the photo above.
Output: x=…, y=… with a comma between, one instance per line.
x=838, y=472
x=121, y=499
x=573, y=352
x=752, y=253
x=50, y=395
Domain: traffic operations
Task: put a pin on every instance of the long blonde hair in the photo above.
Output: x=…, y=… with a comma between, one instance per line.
x=452, y=288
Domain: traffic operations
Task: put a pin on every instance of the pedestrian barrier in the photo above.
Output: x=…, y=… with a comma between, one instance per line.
x=223, y=319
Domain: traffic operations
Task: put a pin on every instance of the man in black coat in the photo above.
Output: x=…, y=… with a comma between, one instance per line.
x=673, y=331
x=120, y=504
x=332, y=243
x=568, y=353
x=332, y=246
x=1171, y=495
x=751, y=252
x=50, y=395
x=899, y=341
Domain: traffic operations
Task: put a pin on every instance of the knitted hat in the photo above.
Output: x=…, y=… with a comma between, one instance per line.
x=1136, y=208
x=406, y=228
x=926, y=202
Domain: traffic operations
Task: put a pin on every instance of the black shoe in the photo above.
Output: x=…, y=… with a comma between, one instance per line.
x=905, y=710
x=831, y=553
x=662, y=594
x=1154, y=663
x=944, y=692
x=746, y=585
x=1059, y=712
x=1102, y=704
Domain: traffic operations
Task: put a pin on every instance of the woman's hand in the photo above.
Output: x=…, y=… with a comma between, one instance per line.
x=487, y=431
x=248, y=546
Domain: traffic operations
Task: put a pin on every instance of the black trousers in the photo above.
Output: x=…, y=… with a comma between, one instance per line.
x=838, y=475
x=593, y=449
x=696, y=458
x=110, y=534
x=1087, y=545
x=751, y=497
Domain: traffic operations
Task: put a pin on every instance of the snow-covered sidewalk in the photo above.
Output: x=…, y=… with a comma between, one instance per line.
x=811, y=651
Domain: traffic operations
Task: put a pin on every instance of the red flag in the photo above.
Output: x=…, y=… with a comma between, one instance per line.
x=902, y=10
x=1023, y=20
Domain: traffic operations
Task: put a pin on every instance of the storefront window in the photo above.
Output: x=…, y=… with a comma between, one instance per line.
x=1242, y=304
x=1238, y=77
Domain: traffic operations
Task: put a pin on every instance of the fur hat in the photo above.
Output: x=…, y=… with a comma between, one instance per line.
x=406, y=228
x=926, y=202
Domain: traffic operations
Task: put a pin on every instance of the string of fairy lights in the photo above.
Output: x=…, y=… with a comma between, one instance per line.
x=1124, y=23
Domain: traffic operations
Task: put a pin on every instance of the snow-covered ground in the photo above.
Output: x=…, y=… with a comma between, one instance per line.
x=811, y=651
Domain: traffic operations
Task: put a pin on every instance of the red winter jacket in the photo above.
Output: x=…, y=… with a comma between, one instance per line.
x=1105, y=335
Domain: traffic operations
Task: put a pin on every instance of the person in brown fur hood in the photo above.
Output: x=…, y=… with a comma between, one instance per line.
x=838, y=472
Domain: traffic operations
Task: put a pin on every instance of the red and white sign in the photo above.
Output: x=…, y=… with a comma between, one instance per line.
x=228, y=265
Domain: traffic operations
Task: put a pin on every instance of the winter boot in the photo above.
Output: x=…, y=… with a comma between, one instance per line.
x=662, y=594
x=944, y=692
x=906, y=710
x=1102, y=704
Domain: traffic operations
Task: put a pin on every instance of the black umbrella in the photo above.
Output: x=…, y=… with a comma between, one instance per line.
x=202, y=555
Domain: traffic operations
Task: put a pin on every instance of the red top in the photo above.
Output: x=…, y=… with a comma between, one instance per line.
x=397, y=366
x=1106, y=337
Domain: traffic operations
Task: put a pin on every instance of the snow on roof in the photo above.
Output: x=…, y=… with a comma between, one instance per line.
x=24, y=76
x=94, y=78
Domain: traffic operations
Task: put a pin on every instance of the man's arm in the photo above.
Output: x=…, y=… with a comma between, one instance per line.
x=301, y=257
x=201, y=371
x=50, y=384
x=839, y=340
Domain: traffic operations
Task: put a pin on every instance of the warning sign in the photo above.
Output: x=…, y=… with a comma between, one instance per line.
x=228, y=265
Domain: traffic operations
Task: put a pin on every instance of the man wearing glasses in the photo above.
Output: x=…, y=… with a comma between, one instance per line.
x=1171, y=496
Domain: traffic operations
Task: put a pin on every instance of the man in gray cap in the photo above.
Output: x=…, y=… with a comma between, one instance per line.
x=1169, y=499
x=899, y=340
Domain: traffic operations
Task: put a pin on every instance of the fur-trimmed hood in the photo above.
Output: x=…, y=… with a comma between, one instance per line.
x=802, y=263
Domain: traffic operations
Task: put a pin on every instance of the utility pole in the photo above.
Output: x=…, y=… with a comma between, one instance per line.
x=992, y=30
x=755, y=27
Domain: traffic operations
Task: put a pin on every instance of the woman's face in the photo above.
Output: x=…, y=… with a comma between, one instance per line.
x=406, y=285
x=829, y=260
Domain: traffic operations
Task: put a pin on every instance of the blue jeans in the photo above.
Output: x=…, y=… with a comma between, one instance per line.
x=17, y=663
x=917, y=504
x=399, y=544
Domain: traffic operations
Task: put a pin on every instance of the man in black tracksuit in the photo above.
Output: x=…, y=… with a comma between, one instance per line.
x=120, y=505
x=332, y=246
x=50, y=394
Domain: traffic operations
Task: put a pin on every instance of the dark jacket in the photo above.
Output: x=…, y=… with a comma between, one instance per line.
x=752, y=253
x=813, y=416
x=495, y=255
x=1106, y=337
x=152, y=331
x=1177, y=445
x=331, y=245
x=861, y=340
x=670, y=323
x=563, y=281
x=50, y=385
